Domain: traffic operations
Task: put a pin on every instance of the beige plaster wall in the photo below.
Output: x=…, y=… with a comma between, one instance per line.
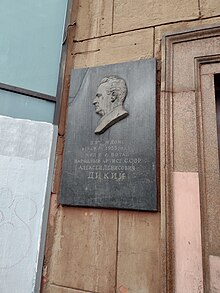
x=91, y=250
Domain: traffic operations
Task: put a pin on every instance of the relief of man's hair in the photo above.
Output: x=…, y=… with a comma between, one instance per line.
x=116, y=85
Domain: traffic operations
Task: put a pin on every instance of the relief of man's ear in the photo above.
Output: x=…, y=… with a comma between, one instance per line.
x=114, y=96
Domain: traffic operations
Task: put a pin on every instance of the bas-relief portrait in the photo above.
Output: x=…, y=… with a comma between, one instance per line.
x=110, y=143
x=108, y=102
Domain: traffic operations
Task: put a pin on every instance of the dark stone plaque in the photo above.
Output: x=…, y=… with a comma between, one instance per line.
x=110, y=145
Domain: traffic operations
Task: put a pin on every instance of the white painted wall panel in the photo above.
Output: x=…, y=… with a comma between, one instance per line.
x=26, y=148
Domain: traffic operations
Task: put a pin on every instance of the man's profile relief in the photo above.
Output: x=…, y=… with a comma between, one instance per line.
x=109, y=101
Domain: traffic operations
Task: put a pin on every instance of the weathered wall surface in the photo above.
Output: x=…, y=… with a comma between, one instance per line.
x=91, y=250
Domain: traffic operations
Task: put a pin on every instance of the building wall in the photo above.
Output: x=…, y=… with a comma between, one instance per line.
x=96, y=250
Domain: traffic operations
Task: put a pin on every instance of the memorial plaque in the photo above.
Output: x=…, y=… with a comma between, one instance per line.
x=110, y=145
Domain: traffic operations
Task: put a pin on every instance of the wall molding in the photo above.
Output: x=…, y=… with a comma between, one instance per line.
x=200, y=57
